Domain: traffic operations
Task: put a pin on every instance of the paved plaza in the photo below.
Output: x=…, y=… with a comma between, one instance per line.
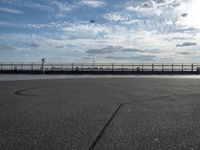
x=100, y=113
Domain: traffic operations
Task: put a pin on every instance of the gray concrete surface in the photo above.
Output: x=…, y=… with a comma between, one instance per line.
x=102, y=113
x=14, y=77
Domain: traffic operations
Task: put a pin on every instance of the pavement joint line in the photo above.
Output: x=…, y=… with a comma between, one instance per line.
x=114, y=114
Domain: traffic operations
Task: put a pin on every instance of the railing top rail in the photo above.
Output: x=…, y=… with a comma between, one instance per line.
x=110, y=64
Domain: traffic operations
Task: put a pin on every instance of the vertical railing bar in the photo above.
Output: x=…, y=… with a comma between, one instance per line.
x=142, y=67
x=92, y=66
x=182, y=67
x=62, y=67
x=1, y=66
x=192, y=67
x=112, y=67
x=132, y=67
x=11, y=65
x=52, y=67
x=152, y=67
x=21, y=66
x=32, y=66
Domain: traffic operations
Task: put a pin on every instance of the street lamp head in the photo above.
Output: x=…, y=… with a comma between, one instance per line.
x=43, y=60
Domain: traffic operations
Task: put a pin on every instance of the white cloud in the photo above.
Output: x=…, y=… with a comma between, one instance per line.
x=191, y=8
x=116, y=17
x=87, y=36
x=93, y=3
x=9, y=10
x=120, y=17
x=145, y=10
x=86, y=30
x=156, y=7
x=159, y=45
x=61, y=6
x=35, y=5
x=149, y=27
x=132, y=21
x=56, y=25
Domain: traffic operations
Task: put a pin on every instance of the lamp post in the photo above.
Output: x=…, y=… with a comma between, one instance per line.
x=43, y=65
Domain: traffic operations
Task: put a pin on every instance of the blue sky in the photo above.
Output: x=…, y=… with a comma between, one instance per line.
x=104, y=30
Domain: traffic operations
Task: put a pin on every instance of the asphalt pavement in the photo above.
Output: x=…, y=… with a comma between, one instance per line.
x=100, y=113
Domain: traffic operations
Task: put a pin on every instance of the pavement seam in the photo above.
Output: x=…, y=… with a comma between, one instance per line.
x=114, y=114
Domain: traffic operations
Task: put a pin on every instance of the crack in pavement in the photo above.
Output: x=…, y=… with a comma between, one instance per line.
x=104, y=128
x=115, y=113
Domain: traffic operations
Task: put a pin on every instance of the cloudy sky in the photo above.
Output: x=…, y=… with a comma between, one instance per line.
x=100, y=30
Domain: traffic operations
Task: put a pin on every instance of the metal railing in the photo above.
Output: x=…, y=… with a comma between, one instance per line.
x=97, y=67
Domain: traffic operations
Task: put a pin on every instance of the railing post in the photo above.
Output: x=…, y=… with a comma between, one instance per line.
x=142, y=67
x=102, y=67
x=1, y=66
x=82, y=66
x=162, y=67
x=92, y=66
x=72, y=67
x=132, y=67
x=21, y=66
x=32, y=67
x=192, y=67
x=122, y=67
x=172, y=67
x=11, y=66
x=152, y=67
x=112, y=67
x=182, y=67
x=62, y=67
x=51, y=67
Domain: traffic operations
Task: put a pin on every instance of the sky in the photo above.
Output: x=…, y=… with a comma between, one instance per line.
x=104, y=31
